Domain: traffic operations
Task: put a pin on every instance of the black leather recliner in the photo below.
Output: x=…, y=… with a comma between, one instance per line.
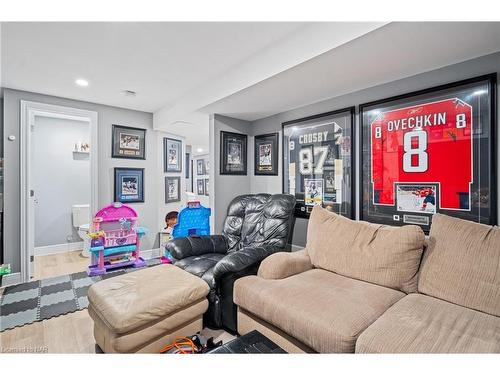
x=256, y=226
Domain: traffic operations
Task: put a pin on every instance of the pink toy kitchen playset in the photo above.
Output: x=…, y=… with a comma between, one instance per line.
x=115, y=239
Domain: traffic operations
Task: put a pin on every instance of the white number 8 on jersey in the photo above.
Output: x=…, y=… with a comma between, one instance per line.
x=420, y=151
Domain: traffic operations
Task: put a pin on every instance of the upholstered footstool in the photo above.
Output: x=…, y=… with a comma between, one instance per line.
x=144, y=310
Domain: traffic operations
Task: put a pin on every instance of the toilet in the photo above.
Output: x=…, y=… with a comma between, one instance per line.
x=81, y=219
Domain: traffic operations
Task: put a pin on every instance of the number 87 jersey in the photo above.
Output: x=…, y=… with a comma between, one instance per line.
x=428, y=143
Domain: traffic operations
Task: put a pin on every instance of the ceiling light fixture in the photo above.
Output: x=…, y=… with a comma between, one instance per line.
x=82, y=82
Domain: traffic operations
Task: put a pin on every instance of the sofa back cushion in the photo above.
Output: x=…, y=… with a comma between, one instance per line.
x=379, y=254
x=258, y=220
x=462, y=264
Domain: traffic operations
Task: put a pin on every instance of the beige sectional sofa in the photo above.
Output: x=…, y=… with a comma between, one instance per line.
x=367, y=288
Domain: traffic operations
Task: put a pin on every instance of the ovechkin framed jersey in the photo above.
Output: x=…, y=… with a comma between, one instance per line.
x=430, y=151
x=318, y=162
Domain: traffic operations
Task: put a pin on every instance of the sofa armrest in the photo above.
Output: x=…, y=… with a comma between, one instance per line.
x=282, y=265
x=184, y=247
x=241, y=259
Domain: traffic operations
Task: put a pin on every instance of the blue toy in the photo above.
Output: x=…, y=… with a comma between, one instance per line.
x=194, y=220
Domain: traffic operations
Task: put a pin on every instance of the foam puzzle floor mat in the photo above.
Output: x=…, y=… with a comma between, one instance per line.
x=43, y=299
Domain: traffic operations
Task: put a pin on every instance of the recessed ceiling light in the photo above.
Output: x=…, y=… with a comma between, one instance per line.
x=82, y=82
x=129, y=92
x=199, y=150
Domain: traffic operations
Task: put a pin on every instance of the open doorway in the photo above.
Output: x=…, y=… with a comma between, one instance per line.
x=59, y=187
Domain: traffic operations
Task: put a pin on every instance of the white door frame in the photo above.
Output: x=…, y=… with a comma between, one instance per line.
x=29, y=110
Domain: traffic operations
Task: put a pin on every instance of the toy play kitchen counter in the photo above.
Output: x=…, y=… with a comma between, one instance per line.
x=115, y=239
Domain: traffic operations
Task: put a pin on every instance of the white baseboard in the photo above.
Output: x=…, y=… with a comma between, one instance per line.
x=11, y=279
x=56, y=249
x=151, y=253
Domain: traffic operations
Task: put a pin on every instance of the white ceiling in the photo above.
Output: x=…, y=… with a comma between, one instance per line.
x=245, y=70
x=160, y=61
x=392, y=52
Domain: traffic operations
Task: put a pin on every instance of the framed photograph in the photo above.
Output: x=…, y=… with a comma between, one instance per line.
x=200, y=167
x=207, y=166
x=318, y=162
x=172, y=189
x=129, y=185
x=233, y=157
x=266, y=154
x=188, y=158
x=430, y=151
x=172, y=154
x=128, y=143
x=206, y=186
x=200, y=186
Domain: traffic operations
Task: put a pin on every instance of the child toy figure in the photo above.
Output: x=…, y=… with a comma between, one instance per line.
x=170, y=221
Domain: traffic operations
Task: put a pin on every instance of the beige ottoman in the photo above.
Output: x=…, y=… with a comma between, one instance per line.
x=144, y=310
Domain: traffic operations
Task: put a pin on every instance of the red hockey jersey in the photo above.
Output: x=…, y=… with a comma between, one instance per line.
x=427, y=143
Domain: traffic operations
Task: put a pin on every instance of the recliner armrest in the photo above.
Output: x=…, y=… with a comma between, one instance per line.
x=184, y=247
x=241, y=259
x=282, y=265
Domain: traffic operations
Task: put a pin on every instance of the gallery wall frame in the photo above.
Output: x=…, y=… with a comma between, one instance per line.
x=233, y=149
x=172, y=155
x=128, y=142
x=266, y=153
x=340, y=142
x=172, y=189
x=200, y=167
x=200, y=186
x=129, y=185
x=206, y=186
x=463, y=133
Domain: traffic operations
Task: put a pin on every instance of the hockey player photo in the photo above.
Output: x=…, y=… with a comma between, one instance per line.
x=313, y=192
x=416, y=198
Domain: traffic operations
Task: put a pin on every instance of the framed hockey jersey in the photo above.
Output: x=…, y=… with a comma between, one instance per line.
x=318, y=162
x=430, y=151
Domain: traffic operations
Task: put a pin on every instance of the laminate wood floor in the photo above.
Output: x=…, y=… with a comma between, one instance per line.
x=59, y=264
x=70, y=333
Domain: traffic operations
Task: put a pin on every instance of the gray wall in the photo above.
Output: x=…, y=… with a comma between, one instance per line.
x=226, y=187
x=61, y=178
x=273, y=184
x=148, y=211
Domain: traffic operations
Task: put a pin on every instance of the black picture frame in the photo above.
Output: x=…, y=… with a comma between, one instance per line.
x=344, y=146
x=172, y=155
x=188, y=158
x=200, y=186
x=266, y=151
x=479, y=202
x=200, y=167
x=169, y=182
x=136, y=139
x=206, y=185
x=236, y=144
x=129, y=176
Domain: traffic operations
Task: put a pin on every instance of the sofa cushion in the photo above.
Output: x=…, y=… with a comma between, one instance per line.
x=423, y=324
x=383, y=255
x=323, y=310
x=462, y=264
